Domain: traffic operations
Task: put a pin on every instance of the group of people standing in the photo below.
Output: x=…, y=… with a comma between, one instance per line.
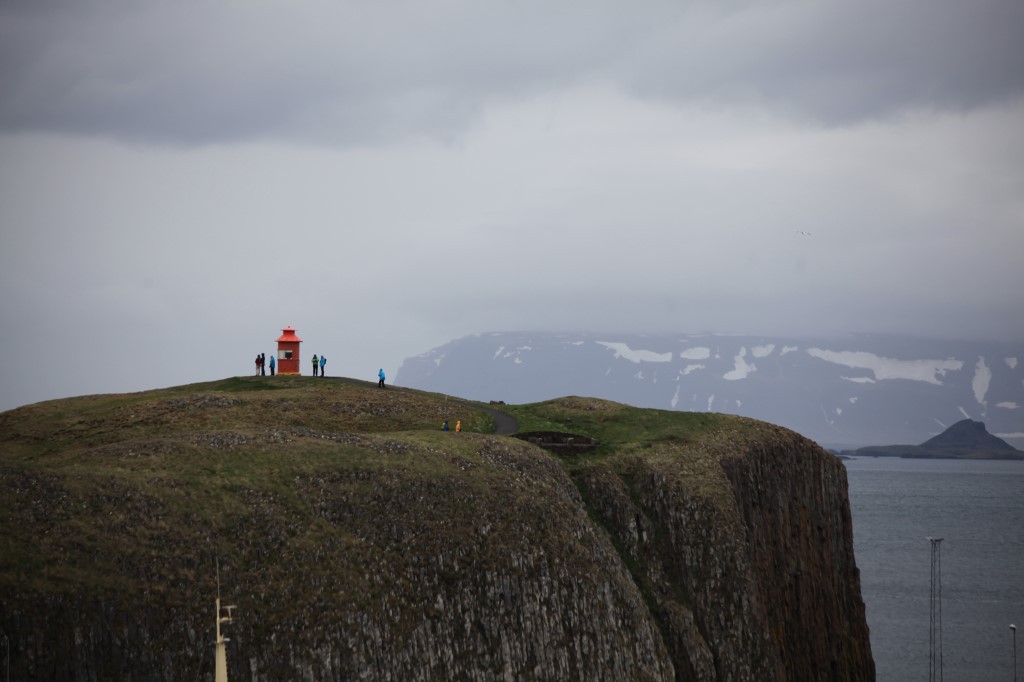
x=319, y=364
x=261, y=365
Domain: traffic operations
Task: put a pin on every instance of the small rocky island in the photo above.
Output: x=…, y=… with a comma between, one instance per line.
x=967, y=439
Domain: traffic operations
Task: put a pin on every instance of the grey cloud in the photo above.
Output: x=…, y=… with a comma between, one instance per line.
x=843, y=62
x=341, y=73
x=354, y=73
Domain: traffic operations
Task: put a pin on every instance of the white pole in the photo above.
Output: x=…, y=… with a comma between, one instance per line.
x=1013, y=629
x=221, y=653
x=221, y=657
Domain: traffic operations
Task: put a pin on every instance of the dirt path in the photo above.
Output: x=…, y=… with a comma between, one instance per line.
x=504, y=423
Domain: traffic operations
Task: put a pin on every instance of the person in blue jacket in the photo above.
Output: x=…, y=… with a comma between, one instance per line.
x=272, y=365
x=323, y=363
x=380, y=375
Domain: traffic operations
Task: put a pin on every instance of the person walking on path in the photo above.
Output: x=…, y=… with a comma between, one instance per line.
x=263, y=364
x=380, y=375
x=458, y=426
x=323, y=363
x=272, y=364
x=444, y=427
x=316, y=364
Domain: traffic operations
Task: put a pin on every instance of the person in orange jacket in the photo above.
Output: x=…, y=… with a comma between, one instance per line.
x=458, y=426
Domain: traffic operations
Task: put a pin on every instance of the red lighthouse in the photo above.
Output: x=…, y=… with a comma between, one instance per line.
x=288, y=352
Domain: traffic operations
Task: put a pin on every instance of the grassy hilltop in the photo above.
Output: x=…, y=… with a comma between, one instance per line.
x=357, y=537
x=209, y=453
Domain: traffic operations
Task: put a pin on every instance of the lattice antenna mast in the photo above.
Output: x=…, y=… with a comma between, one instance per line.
x=935, y=614
x=224, y=615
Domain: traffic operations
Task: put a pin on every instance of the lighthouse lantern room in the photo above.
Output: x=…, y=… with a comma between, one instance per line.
x=288, y=352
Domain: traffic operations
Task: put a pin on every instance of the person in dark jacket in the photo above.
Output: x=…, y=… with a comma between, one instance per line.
x=316, y=364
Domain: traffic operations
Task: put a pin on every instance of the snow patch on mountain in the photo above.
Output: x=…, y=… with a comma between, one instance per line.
x=889, y=368
x=690, y=368
x=1008, y=405
x=824, y=414
x=624, y=351
x=697, y=353
x=982, y=380
x=741, y=368
x=788, y=349
x=762, y=351
x=514, y=355
x=1011, y=362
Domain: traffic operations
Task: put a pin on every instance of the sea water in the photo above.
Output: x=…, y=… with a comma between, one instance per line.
x=977, y=507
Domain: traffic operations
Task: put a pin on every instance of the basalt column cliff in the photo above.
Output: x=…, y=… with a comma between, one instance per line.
x=743, y=548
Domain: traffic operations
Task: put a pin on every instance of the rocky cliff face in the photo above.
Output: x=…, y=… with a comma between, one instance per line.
x=430, y=556
x=748, y=566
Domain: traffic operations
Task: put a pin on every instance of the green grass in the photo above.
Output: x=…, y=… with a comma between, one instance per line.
x=616, y=425
x=246, y=384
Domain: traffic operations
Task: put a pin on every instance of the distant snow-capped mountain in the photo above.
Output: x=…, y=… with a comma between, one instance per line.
x=842, y=392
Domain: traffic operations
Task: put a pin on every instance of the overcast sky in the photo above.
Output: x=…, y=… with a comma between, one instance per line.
x=180, y=180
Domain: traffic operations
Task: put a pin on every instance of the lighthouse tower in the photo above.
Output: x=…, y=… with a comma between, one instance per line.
x=288, y=352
